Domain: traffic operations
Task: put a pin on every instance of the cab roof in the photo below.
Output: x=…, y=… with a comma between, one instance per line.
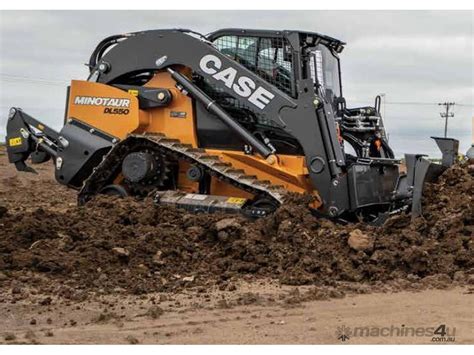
x=305, y=36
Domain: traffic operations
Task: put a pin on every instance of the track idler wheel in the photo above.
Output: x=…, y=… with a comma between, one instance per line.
x=262, y=207
x=139, y=166
x=195, y=173
x=144, y=171
x=114, y=190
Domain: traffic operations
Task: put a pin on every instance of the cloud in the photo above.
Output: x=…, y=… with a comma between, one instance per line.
x=416, y=56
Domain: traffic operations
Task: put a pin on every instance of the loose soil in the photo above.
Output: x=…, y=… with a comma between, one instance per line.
x=55, y=255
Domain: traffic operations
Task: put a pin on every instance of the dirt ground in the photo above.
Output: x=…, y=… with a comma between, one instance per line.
x=125, y=271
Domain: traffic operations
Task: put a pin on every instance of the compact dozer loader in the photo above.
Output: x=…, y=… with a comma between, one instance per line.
x=233, y=121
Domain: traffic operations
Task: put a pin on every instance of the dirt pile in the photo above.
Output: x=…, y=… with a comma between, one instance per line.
x=130, y=246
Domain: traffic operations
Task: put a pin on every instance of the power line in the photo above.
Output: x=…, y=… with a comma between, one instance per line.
x=36, y=108
x=412, y=103
x=23, y=82
x=38, y=80
x=423, y=103
x=16, y=78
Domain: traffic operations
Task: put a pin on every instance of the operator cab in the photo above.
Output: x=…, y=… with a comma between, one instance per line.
x=268, y=57
x=281, y=58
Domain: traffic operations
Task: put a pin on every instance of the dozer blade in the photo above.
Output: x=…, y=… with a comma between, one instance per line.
x=21, y=166
x=26, y=136
x=421, y=170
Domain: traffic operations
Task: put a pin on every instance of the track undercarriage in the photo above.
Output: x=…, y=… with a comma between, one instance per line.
x=107, y=177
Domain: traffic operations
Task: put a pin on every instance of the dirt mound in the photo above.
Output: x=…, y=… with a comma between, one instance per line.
x=132, y=246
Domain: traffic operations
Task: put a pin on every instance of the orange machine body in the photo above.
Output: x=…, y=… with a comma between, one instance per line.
x=119, y=115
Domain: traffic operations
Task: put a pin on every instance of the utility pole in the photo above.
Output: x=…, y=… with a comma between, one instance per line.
x=384, y=97
x=446, y=115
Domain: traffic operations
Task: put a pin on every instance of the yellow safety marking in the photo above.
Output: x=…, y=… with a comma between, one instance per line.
x=133, y=92
x=236, y=200
x=12, y=142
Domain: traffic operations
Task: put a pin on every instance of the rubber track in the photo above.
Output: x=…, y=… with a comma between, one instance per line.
x=111, y=165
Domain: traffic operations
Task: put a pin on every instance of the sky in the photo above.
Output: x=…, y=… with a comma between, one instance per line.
x=416, y=58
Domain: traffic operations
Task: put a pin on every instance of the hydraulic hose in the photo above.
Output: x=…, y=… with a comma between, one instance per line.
x=214, y=108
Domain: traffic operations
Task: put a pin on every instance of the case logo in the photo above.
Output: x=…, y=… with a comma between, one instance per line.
x=241, y=85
